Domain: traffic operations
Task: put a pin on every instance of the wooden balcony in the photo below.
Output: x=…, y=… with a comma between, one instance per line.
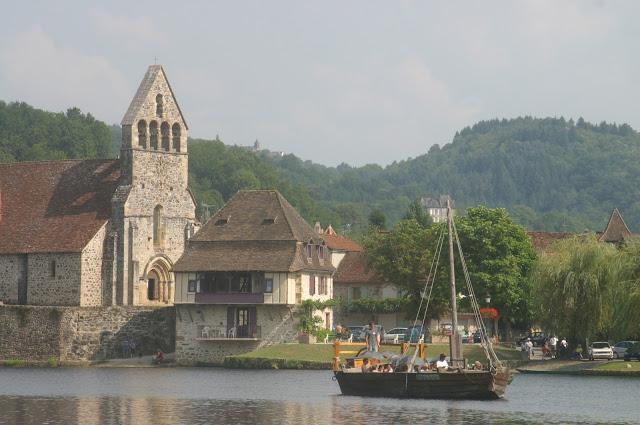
x=230, y=298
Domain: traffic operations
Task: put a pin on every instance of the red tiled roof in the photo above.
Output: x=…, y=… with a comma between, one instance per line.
x=54, y=206
x=542, y=240
x=353, y=268
x=340, y=243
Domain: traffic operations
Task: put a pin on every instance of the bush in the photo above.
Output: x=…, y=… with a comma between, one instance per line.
x=13, y=363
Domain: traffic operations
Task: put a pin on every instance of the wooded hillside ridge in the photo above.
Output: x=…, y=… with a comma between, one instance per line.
x=550, y=174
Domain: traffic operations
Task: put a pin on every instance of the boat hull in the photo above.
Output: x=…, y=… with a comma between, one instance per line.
x=475, y=385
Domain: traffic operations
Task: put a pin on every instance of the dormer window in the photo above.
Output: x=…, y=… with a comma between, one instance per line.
x=321, y=252
x=222, y=221
x=309, y=251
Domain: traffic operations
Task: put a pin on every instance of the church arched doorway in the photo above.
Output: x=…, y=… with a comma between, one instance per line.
x=160, y=285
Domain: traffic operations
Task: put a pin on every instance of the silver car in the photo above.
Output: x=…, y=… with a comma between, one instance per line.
x=600, y=350
x=620, y=348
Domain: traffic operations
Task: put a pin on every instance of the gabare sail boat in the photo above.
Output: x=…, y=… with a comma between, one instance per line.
x=456, y=382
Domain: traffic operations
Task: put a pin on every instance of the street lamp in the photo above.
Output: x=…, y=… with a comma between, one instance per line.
x=487, y=298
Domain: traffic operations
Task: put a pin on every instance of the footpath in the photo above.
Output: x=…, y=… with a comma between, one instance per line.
x=570, y=367
x=144, y=361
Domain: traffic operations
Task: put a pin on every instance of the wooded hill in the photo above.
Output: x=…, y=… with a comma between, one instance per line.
x=550, y=174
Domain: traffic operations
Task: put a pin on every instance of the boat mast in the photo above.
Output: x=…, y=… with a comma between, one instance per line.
x=456, y=340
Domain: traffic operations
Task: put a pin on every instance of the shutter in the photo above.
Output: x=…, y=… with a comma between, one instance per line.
x=312, y=285
x=230, y=319
x=349, y=293
x=364, y=293
x=253, y=321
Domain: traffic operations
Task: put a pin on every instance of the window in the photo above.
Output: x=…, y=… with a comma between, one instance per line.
x=244, y=321
x=52, y=268
x=142, y=134
x=268, y=286
x=321, y=252
x=312, y=285
x=192, y=285
x=309, y=251
x=159, y=106
x=158, y=225
x=153, y=135
x=355, y=293
x=164, y=132
x=176, y=137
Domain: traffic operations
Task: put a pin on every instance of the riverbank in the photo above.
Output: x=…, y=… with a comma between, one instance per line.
x=580, y=367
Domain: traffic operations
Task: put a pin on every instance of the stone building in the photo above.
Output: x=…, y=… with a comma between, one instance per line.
x=242, y=276
x=101, y=232
x=437, y=207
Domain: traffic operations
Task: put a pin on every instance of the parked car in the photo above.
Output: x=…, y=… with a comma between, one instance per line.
x=477, y=336
x=537, y=338
x=414, y=333
x=363, y=333
x=466, y=338
x=353, y=330
x=391, y=335
x=600, y=350
x=620, y=348
x=632, y=352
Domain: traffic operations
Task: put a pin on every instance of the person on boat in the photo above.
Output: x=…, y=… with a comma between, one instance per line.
x=365, y=366
x=477, y=365
x=425, y=368
x=372, y=338
x=442, y=364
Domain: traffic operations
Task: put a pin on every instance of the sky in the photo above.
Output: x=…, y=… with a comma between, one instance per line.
x=354, y=82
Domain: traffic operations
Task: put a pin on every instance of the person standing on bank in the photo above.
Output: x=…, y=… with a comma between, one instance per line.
x=372, y=338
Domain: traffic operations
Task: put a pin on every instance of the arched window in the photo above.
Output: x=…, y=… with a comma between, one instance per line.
x=176, y=137
x=158, y=225
x=159, y=106
x=164, y=130
x=153, y=135
x=142, y=134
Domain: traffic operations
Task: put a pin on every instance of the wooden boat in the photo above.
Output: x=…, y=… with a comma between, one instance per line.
x=454, y=383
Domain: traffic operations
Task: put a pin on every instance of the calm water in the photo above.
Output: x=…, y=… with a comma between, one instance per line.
x=217, y=396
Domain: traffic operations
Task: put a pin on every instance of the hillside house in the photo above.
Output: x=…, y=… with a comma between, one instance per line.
x=243, y=274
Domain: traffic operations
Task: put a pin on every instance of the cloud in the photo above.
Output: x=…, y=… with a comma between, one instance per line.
x=55, y=78
x=132, y=31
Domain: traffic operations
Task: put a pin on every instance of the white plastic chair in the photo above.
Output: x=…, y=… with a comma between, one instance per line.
x=232, y=332
x=206, y=332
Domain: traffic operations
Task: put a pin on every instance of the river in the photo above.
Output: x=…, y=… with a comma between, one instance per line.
x=157, y=396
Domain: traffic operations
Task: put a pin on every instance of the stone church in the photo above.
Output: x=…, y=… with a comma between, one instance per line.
x=102, y=232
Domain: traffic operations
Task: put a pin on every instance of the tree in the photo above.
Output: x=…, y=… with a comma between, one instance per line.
x=416, y=212
x=403, y=258
x=499, y=257
x=573, y=286
x=377, y=220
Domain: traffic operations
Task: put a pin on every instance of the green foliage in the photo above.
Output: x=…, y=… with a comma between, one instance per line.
x=573, y=288
x=499, y=257
x=29, y=134
x=309, y=323
x=377, y=221
x=25, y=314
x=52, y=362
x=626, y=294
x=13, y=363
x=375, y=306
x=416, y=212
x=57, y=313
x=403, y=257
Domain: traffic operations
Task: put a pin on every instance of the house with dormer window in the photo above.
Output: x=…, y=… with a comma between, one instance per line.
x=241, y=277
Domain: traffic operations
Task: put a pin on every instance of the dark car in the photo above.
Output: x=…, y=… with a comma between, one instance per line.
x=477, y=336
x=537, y=338
x=415, y=333
x=632, y=352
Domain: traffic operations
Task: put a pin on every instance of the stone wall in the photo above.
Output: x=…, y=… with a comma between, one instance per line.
x=13, y=275
x=82, y=333
x=46, y=287
x=276, y=322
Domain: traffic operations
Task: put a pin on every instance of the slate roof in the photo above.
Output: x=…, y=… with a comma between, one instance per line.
x=255, y=230
x=440, y=202
x=353, y=269
x=616, y=228
x=54, y=206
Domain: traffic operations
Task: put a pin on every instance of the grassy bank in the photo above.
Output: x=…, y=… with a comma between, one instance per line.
x=319, y=356
x=619, y=366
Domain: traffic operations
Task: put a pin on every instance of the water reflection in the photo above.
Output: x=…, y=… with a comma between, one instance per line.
x=204, y=396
